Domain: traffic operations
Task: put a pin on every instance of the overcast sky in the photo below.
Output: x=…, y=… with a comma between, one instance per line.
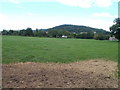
x=20, y=14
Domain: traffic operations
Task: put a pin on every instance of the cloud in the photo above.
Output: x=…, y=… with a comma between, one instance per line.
x=20, y=1
x=30, y=14
x=99, y=23
x=3, y=18
x=104, y=14
x=42, y=22
x=46, y=22
x=14, y=1
x=78, y=3
x=103, y=3
x=88, y=3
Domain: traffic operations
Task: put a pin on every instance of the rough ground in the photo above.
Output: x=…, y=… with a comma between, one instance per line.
x=83, y=74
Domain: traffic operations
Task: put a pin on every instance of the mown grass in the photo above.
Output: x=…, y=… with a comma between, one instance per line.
x=35, y=49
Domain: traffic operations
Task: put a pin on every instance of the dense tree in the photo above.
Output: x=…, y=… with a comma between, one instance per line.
x=29, y=32
x=115, y=29
x=53, y=33
x=59, y=33
x=10, y=32
x=22, y=32
x=36, y=32
x=4, y=32
x=101, y=37
x=15, y=33
x=42, y=33
x=85, y=35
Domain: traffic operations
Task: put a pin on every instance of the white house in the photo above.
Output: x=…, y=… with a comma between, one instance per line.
x=83, y=32
x=113, y=39
x=63, y=36
x=94, y=32
x=46, y=32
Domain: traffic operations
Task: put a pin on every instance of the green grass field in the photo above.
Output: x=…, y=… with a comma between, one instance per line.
x=35, y=49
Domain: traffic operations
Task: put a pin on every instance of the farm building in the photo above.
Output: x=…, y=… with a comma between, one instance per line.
x=83, y=32
x=113, y=39
x=63, y=36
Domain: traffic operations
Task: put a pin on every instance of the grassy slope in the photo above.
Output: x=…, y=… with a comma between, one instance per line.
x=22, y=49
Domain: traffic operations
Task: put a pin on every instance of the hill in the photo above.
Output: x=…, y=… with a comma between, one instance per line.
x=78, y=29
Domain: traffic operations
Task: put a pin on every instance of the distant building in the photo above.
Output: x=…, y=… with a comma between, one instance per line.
x=113, y=39
x=46, y=32
x=94, y=32
x=83, y=33
x=63, y=36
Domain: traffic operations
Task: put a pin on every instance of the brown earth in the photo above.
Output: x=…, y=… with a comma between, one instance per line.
x=83, y=74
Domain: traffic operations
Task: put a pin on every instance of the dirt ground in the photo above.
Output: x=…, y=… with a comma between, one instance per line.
x=83, y=74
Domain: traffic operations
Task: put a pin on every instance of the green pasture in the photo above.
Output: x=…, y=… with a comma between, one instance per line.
x=35, y=49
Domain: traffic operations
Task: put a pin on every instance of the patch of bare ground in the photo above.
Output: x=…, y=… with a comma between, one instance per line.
x=83, y=74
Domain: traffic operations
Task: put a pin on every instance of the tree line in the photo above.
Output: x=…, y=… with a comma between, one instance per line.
x=115, y=28
x=55, y=34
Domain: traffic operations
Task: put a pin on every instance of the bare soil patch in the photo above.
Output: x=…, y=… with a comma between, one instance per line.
x=83, y=74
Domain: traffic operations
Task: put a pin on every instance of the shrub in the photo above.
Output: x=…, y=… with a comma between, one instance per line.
x=101, y=37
